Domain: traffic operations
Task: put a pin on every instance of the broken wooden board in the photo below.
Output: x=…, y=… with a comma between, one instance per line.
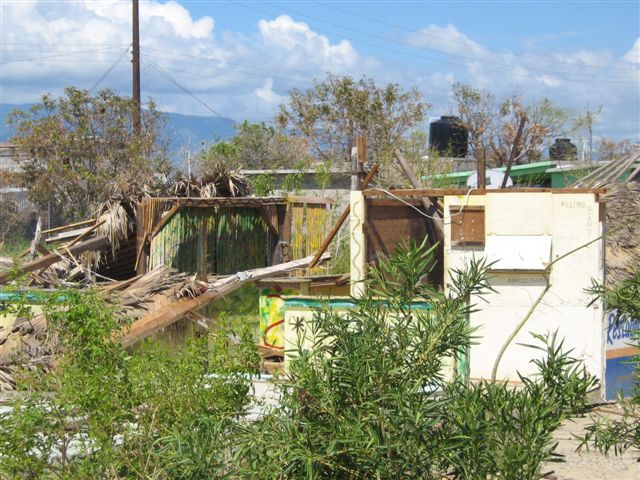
x=171, y=313
x=55, y=257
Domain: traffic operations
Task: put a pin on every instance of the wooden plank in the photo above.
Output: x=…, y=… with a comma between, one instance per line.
x=173, y=312
x=36, y=240
x=312, y=200
x=67, y=227
x=468, y=226
x=229, y=201
x=48, y=260
x=390, y=226
x=164, y=219
x=441, y=192
x=85, y=234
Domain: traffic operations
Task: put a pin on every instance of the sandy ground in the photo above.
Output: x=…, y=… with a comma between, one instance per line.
x=590, y=465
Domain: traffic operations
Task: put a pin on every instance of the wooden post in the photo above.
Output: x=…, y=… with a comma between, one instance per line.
x=336, y=228
x=358, y=243
x=482, y=170
x=514, y=151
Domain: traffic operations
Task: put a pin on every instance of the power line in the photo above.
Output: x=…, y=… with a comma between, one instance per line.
x=118, y=60
x=59, y=55
x=269, y=73
x=177, y=84
x=501, y=52
x=617, y=81
x=252, y=67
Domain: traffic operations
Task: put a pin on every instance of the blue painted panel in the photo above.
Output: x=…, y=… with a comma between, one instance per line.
x=620, y=364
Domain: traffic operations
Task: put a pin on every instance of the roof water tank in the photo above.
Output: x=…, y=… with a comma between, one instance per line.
x=563, y=149
x=448, y=137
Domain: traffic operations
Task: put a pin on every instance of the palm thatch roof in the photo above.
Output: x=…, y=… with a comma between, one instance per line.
x=623, y=223
x=620, y=178
x=28, y=343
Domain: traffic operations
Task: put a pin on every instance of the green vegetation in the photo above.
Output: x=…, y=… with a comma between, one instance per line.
x=366, y=396
x=82, y=150
x=256, y=146
x=624, y=433
x=13, y=247
x=332, y=113
x=263, y=185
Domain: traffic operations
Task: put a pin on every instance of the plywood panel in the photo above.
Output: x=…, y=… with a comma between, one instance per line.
x=467, y=225
x=391, y=224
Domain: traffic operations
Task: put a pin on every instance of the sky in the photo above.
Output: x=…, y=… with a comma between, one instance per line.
x=239, y=59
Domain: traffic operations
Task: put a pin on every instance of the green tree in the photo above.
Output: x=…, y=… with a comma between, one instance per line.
x=334, y=111
x=493, y=125
x=82, y=150
x=255, y=146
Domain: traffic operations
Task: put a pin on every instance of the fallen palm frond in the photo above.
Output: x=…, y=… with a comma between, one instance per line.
x=27, y=341
x=217, y=182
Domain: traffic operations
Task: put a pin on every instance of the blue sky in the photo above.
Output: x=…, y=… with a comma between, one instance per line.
x=241, y=58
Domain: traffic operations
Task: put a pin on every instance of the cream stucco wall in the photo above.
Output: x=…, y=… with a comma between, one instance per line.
x=571, y=220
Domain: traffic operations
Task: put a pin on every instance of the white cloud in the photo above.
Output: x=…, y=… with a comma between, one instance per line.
x=633, y=55
x=447, y=40
x=247, y=74
x=299, y=43
x=267, y=94
x=548, y=80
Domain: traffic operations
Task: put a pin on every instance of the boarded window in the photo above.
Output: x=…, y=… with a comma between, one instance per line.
x=467, y=227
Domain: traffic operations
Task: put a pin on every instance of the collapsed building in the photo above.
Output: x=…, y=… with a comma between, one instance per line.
x=162, y=260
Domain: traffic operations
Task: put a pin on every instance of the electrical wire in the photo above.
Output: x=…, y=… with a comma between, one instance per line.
x=509, y=68
x=179, y=85
x=462, y=206
x=68, y=54
x=118, y=60
x=450, y=40
x=464, y=57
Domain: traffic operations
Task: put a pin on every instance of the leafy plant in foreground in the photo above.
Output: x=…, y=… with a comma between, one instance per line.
x=621, y=434
x=368, y=394
x=106, y=413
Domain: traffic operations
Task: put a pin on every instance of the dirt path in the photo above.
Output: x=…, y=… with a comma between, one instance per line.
x=590, y=465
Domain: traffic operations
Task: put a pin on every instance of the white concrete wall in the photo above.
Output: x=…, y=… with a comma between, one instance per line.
x=571, y=219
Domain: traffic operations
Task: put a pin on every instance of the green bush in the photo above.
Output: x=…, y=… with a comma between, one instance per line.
x=103, y=413
x=621, y=434
x=365, y=396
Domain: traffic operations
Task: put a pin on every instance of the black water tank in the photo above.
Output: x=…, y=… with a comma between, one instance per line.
x=563, y=149
x=448, y=137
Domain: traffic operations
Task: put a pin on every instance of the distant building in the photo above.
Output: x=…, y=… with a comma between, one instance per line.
x=10, y=157
x=12, y=196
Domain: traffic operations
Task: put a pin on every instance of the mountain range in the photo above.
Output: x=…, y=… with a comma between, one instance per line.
x=185, y=132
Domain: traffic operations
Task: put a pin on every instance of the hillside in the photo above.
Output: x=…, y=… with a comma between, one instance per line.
x=184, y=131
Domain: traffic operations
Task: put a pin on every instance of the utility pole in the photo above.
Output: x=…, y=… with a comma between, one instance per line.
x=136, y=69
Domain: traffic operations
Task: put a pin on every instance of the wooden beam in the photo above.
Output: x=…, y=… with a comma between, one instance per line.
x=171, y=313
x=514, y=150
x=308, y=199
x=53, y=258
x=336, y=228
x=85, y=234
x=430, y=204
x=67, y=227
x=441, y=192
x=164, y=219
